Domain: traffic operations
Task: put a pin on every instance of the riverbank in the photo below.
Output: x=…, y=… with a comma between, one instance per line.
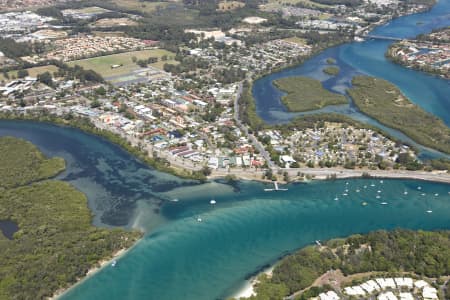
x=308, y=269
x=246, y=229
x=294, y=174
x=129, y=144
x=56, y=241
x=426, y=53
x=248, y=289
x=385, y=103
x=93, y=270
x=306, y=174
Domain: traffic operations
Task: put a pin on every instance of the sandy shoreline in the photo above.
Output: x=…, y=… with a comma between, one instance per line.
x=248, y=289
x=93, y=270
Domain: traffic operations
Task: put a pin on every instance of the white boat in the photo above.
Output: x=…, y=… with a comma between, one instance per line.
x=378, y=191
x=318, y=243
x=174, y=200
x=346, y=190
x=423, y=194
x=381, y=181
x=405, y=192
x=372, y=184
x=199, y=219
x=419, y=188
x=436, y=194
x=113, y=263
x=383, y=203
x=378, y=196
x=212, y=202
x=336, y=199
x=365, y=186
x=344, y=194
x=429, y=211
x=357, y=191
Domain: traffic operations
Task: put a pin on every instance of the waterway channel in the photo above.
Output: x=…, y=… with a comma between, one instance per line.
x=247, y=228
x=430, y=92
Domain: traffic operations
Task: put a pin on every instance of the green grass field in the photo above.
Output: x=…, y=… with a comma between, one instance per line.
x=277, y=4
x=33, y=72
x=296, y=40
x=147, y=7
x=102, y=64
x=91, y=10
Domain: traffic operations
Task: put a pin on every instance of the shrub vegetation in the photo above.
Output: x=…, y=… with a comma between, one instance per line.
x=305, y=94
x=56, y=243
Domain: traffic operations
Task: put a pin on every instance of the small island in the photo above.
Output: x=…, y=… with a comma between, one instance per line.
x=305, y=94
x=331, y=61
x=333, y=70
x=341, y=264
x=384, y=102
x=53, y=244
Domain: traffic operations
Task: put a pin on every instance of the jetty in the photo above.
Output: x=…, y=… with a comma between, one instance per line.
x=276, y=188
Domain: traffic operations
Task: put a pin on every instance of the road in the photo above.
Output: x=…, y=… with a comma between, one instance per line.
x=257, y=144
x=339, y=173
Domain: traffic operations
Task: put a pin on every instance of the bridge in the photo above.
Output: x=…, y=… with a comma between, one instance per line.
x=380, y=37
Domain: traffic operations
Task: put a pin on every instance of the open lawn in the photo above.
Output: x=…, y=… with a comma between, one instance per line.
x=114, y=22
x=296, y=40
x=147, y=7
x=91, y=10
x=102, y=64
x=33, y=72
x=108, y=33
x=277, y=4
x=384, y=102
x=304, y=94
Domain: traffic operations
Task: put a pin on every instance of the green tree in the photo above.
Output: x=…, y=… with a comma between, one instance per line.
x=22, y=73
x=46, y=78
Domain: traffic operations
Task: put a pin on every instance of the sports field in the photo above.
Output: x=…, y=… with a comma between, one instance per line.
x=103, y=64
x=296, y=40
x=147, y=7
x=33, y=72
x=277, y=4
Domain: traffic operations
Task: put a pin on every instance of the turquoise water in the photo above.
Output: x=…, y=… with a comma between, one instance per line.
x=430, y=92
x=181, y=258
x=114, y=182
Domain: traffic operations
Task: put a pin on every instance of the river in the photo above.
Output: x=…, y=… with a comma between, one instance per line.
x=430, y=92
x=181, y=258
